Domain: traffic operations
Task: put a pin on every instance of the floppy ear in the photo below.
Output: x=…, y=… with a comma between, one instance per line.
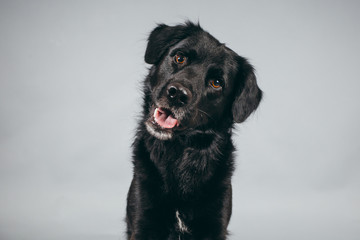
x=248, y=95
x=163, y=37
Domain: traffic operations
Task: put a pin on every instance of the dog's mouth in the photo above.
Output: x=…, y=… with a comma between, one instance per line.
x=165, y=118
x=162, y=123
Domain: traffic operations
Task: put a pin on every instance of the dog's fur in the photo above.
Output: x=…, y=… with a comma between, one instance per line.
x=197, y=88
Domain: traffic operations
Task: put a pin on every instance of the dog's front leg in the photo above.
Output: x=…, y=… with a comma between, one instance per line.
x=151, y=226
x=148, y=215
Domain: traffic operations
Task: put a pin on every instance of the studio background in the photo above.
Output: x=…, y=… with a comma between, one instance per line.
x=70, y=96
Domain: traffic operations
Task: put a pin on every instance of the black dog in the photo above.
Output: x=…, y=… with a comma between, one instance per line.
x=197, y=88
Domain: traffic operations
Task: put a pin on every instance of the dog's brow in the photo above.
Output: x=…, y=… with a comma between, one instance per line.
x=188, y=51
x=182, y=49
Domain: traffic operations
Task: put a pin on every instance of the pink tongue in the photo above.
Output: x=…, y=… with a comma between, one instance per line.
x=164, y=118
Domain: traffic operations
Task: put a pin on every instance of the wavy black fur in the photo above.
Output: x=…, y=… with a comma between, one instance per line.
x=181, y=188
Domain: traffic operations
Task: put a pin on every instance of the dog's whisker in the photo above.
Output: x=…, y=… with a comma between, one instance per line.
x=208, y=115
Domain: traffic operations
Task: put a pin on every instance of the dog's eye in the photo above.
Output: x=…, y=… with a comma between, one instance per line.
x=180, y=59
x=216, y=84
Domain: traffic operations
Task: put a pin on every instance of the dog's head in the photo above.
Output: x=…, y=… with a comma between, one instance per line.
x=195, y=83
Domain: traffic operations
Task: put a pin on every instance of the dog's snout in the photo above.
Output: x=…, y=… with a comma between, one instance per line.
x=178, y=95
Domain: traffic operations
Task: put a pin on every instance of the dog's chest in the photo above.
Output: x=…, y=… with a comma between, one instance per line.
x=181, y=226
x=183, y=169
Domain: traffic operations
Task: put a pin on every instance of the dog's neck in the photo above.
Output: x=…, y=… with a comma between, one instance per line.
x=179, y=154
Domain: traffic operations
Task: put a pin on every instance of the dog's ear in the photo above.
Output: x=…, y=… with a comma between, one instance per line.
x=248, y=95
x=163, y=37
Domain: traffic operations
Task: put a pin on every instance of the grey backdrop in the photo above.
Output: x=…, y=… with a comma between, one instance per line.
x=70, y=80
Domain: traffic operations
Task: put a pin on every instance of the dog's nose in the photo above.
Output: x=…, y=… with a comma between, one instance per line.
x=178, y=94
